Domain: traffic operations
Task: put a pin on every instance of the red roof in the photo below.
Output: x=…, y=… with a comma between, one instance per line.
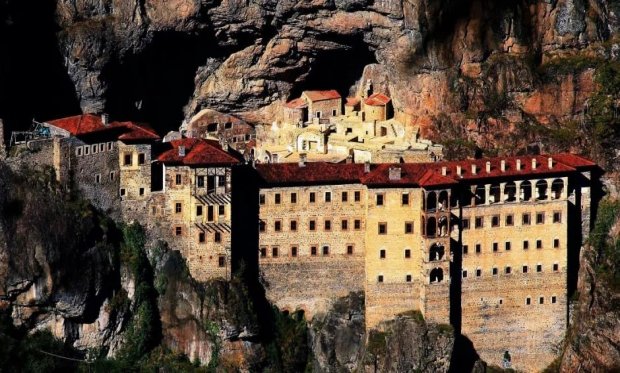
x=322, y=95
x=352, y=101
x=377, y=99
x=298, y=103
x=197, y=152
x=88, y=124
x=420, y=174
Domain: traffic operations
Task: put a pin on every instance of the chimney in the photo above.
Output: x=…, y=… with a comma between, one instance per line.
x=458, y=170
x=488, y=167
x=366, y=167
x=349, y=159
x=105, y=120
x=394, y=173
x=502, y=165
x=473, y=169
x=550, y=163
x=533, y=163
x=518, y=165
x=302, y=159
x=444, y=171
x=181, y=150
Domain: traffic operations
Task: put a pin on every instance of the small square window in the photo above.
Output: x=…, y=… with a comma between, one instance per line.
x=277, y=226
x=464, y=273
x=495, y=221
x=123, y=192
x=112, y=175
x=101, y=148
x=344, y=224
x=94, y=149
x=554, y=299
x=526, y=245
x=555, y=267
x=86, y=150
x=539, y=244
x=78, y=151
x=508, y=270
x=325, y=250
x=327, y=225
x=382, y=228
x=262, y=226
x=312, y=225
x=217, y=237
x=382, y=254
x=357, y=224
x=465, y=224
x=178, y=178
x=494, y=271
x=524, y=269
x=293, y=197
x=408, y=278
x=98, y=179
x=141, y=191
x=200, y=181
x=263, y=252
x=510, y=220
x=478, y=248
x=293, y=225
x=507, y=246
x=405, y=199
x=261, y=199
x=312, y=197
x=478, y=272
x=277, y=198
x=313, y=250
x=539, y=268
x=557, y=217
x=349, y=249
x=380, y=278
x=541, y=300
x=540, y=218
x=202, y=237
x=221, y=261
x=110, y=145
x=478, y=222
x=178, y=231
x=127, y=159
x=274, y=252
x=221, y=210
x=407, y=253
x=408, y=227
x=380, y=199
x=294, y=251
x=465, y=249
x=328, y=196
x=556, y=243
x=357, y=196
x=525, y=219
x=141, y=158
x=178, y=207
x=495, y=247
x=528, y=301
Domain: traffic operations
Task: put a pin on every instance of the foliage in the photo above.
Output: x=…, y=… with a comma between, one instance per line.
x=607, y=261
x=556, y=68
x=289, y=350
x=377, y=344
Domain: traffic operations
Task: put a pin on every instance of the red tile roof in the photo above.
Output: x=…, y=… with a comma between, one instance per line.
x=377, y=99
x=352, y=101
x=420, y=174
x=197, y=152
x=89, y=124
x=322, y=95
x=298, y=103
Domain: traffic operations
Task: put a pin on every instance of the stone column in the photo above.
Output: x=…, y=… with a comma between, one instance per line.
x=487, y=193
x=549, y=191
x=565, y=188
x=502, y=197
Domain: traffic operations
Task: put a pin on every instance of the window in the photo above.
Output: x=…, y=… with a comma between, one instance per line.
x=507, y=246
x=101, y=148
x=313, y=250
x=465, y=224
x=408, y=278
x=408, y=227
x=293, y=197
x=478, y=272
x=407, y=253
x=382, y=228
x=556, y=243
x=357, y=224
x=221, y=210
x=382, y=254
x=510, y=220
x=349, y=249
x=178, y=207
x=98, y=179
x=123, y=192
x=294, y=251
x=334, y=112
x=526, y=245
x=539, y=244
x=277, y=198
x=357, y=195
x=554, y=299
x=94, y=149
x=112, y=176
x=479, y=222
x=110, y=145
x=541, y=300
x=327, y=225
x=86, y=150
x=528, y=301
x=200, y=183
x=141, y=191
x=380, y=278
x=325, y=250
x=328, y=196
x=555, y=267
x=127, y=159
x=217, y=237
x=557, y=217
x=263, y=252
x=78, y=151
x=495, y=221
x=277, y=225
x=293, y=225
x=478, y=248
x=494, y=271
x=508, y=270
x=525, y=219
x=262, y=226
x=274, y=252
x=380, y=199
x=178, y=231
x=221, y=261
x=539, y=268
x=464, y=273
x=465, y=249
x=540, y=218
x=227, y=125
x=141, y=158
x=344, y=196
x=344, y=224
x=524, y=269
x=261, y=199
x=312, y=197
x=178, y=179
x=495, y=247
x=201, y=237
x=405, y=199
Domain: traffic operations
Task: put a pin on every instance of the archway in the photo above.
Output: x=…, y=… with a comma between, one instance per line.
x=510, y=192
x=436, y=252
x=525, y=191
x=431, y=227
x=494, y=195
x=444, y=200
x=481, y=195
x=436, y=275
x=443, y=226
x=557, y=188
x=431, y=201
x=541, y=190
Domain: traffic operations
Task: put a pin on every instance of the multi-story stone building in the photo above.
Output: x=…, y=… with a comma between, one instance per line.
x=481, y=244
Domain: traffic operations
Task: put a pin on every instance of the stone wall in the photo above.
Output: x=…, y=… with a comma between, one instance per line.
x=326, y=107
x=135, y=179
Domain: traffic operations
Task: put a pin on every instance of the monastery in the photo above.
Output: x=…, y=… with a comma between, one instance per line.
x=488, y=245
x=366, y=131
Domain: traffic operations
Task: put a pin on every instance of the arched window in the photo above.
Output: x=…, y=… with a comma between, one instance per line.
x=431, y=227
x=481, y=195
x=557, y=188
x=436, y=252
x=444, y=200
x=525, y=191
x=443, y=226
x=437, y=275
x=541, y=190
x=431, y=201
x=494, y=196
x=510, y=192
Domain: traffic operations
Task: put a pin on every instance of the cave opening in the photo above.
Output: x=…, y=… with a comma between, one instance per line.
x=338, y=69
x=33, y=80
x=154, y=85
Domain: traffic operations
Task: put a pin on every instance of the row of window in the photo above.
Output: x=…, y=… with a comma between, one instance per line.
x=508, y=246
x=123, y=191
x=212, y=180
x=128, y=159
x=312, y=197
x=312, y=225
x=408, y=278
x=509, y=221
x=508, y=270
x=294, y=251
x=221, y=209
x=202, y=237
x=541, y=300
x=93, y=149
x=221, y=260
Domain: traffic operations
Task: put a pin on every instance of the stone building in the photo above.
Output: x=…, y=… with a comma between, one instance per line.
x=191, y=208
x=323, y=104
x=210, y=124
x=481, y=244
